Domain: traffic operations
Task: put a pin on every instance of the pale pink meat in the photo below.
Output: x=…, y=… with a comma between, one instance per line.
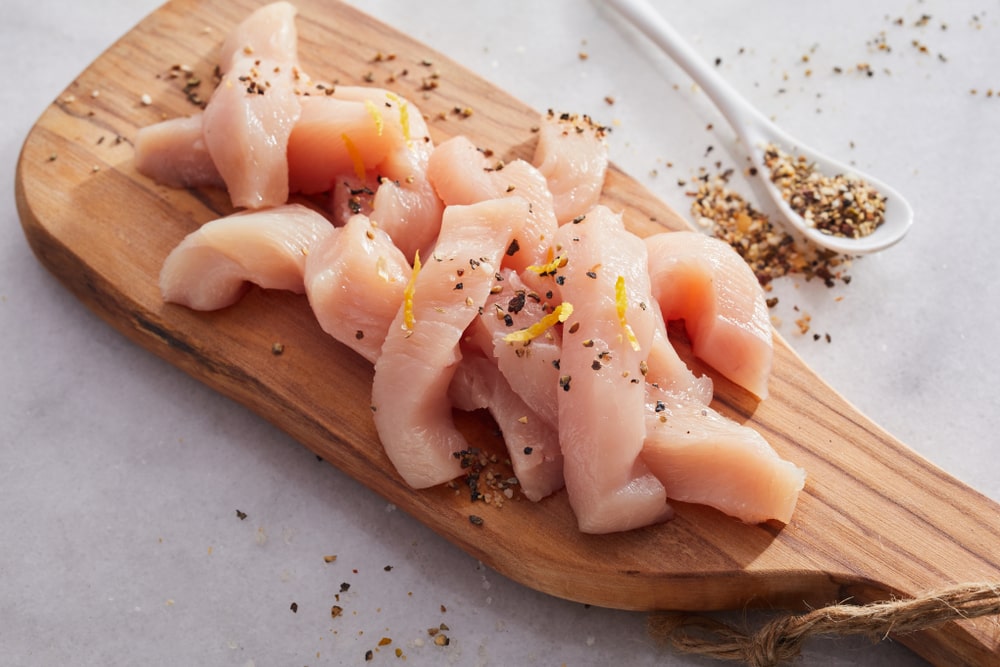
x=531, y=367
x=463, y=174
x=410, y=389
x=704, y=282
x=249, y=117
x=573, y=157
x=336, y=138
x=703, y=457
x=268, y=33
x=602, y=390
x=213, y=266
x=355, y=280
x=666, y=370
x=405, y=204
x=351, y=196
x=532, y=444
x=173, y=153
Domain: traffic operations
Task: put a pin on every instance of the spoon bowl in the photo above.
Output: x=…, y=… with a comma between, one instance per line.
x=756, y=132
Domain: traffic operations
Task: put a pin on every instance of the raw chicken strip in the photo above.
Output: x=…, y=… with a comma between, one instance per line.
x=355, y=281
x=666, y=370
x=602, y=398
x=703, y=457
x=409, y=212
x=249, y=117
x=703, y=281
x=463, y=174
x=532, y=445
x=405, y=204
x=531, y=367
x=213, y=266
x=573, y=157
x=268, y=33
x=173, y=153
x=409, y=393
x=351, y=196
x=334, y=138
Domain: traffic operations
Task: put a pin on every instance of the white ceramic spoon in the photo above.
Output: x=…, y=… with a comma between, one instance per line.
x=756, y=131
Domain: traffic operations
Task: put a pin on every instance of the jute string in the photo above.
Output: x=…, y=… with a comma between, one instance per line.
x=781, y=640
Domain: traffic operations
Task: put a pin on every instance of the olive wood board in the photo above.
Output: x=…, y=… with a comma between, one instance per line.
x=875, y=519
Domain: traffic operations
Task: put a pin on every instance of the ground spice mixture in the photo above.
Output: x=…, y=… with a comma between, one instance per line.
x=770, y=251
x=839, y=205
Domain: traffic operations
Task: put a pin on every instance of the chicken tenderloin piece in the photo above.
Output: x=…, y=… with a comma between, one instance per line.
x=214, y=265
x=532, y=444
x=355, y=281
x=602, y=393
x=703, y=457
x=251, y=113
x=421, y=351
x=461, y=173
x=701, y=280
x=573, y=158
x=173, y=153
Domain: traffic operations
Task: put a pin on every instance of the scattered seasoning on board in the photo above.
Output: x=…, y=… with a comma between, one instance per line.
x=241, y=515
x=838, y=205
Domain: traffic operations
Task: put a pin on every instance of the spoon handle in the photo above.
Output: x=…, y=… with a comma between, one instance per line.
x=740, y=114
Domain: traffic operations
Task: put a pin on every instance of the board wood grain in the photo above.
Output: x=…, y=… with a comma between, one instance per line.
x=875, y=519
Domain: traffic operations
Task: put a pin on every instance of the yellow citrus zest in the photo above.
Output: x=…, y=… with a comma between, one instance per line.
x=621, y=303
x=404, y=117
x=355, y=155
x=560, y=314
x=408, y=294
x=552, y=264
x=376, y=116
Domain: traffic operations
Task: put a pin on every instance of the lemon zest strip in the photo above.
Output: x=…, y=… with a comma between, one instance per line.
x=411, y=286
x=560, y=314
x=355, y=155
x=621, y=303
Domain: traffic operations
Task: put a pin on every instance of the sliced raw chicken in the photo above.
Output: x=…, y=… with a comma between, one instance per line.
x=573, y=157
x=410, y=389
x=531, y=367
x=602, y=390
x=355, y=281
x=463, y=174
x=533, y=445
x=267, y=33
x=336, y=137
x=250, y=115
x=666, y=370
x=173, y=153
x=213, y=266
x=405, y=204
x=701, y=280
x=352, y=196
x=703, y=457
x=409, y=212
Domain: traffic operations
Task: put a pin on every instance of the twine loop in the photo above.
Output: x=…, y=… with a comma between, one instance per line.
x=781, y=640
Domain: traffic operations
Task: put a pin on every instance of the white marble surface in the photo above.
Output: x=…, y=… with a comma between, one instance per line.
x=120, y=477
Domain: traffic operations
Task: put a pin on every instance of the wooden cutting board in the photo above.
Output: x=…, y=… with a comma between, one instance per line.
x=875, y=519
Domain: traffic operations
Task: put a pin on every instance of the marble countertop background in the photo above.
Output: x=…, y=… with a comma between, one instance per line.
x=120, y=476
